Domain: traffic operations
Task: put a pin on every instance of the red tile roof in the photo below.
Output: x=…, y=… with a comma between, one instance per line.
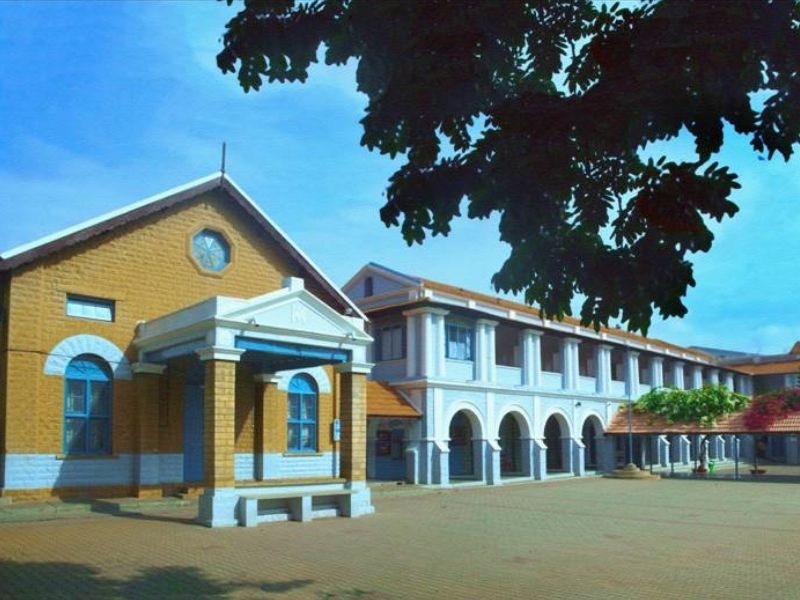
x=385, y=401
x=647, y=424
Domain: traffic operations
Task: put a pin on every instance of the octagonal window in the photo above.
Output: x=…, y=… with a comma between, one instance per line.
x=211, y=250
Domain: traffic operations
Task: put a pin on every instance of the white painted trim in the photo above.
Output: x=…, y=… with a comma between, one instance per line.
x=176, y=190
x=62, y=353
x=519, y=411
x=318, y=374
x=589, y=414
x=467, y=407
x=558, y=412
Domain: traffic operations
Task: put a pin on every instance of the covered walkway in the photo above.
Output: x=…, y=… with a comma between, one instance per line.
x=729, y=447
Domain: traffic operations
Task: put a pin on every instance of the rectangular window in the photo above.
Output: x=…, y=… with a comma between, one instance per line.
x=90, y=308
x=460, y=340
x=391, y=343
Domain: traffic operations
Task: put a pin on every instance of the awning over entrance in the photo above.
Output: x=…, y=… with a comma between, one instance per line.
x=286, y=329
x=647, y=424
x=385, y=401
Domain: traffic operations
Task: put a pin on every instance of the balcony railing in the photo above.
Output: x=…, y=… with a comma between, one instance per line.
x=587, y=385
x=509, y=376
x=459, y=370
x=618, y=388
x=551, y=381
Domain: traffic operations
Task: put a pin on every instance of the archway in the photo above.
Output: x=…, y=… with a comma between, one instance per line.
x=556, y=434
x=591, y=432
x=511, y=462
x=462, y=447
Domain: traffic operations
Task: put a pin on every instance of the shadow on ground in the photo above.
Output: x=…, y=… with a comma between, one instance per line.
x=69, y=580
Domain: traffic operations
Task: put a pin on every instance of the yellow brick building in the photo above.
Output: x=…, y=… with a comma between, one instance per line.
x=183, y=341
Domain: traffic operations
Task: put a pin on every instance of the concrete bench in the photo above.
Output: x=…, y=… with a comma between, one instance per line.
x=300, y=504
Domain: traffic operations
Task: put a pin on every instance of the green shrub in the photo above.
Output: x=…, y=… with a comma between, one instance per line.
x=701, y=406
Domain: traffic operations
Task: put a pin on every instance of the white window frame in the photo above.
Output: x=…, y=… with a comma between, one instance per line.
x=87, y=307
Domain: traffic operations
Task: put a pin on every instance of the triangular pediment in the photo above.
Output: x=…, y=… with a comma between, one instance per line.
x=295, y=310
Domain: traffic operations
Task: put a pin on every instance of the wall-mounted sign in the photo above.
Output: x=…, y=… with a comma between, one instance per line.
x=337, y=430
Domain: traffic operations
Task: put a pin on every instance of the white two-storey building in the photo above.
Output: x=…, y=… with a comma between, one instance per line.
x=503, y=393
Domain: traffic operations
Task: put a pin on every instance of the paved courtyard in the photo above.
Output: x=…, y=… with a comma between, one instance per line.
x=590, y=538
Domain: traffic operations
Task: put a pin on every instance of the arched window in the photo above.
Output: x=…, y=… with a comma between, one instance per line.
x=302, y=423
x=87, y=406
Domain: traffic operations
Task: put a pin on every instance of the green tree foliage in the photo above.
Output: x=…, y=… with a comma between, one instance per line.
x=704, y=405
x=539, y=110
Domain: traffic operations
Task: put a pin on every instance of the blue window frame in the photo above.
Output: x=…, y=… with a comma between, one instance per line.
x=87, y=406
x=391, y=343
x=460, y=341
x=302, y=422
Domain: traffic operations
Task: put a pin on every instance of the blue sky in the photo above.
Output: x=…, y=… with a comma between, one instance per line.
x=104, y=103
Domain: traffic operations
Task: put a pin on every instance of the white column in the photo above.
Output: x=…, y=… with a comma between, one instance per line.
x=425, y=334
x=441, y=341
x=713, y=376
x=485, y=350
x=569, y=363
x=603, y=374
x=632, y=374
x=411, y=343
x=677, y=375
x=697, y=377
x=532, y=358
x=728, y=379
x=656, y=372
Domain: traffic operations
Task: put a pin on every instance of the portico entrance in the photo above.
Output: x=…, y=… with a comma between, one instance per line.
x=278, y=341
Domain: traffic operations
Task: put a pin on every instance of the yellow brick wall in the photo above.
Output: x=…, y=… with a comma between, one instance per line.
x=146, y=269
x=353, y=388
x=245, y=408
x=219, y=429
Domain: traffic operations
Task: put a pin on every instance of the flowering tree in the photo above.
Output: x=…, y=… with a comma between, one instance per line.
x=768, y=408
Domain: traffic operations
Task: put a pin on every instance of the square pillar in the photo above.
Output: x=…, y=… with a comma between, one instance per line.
x=578, y=456
x=532, y=358
x=270, y=416
x=713, y=376
x=603, y=375
x=147, y=378
x=679, y=449
x=539, y=459
x=353, y=411
x=492, y=461
x=217, y=505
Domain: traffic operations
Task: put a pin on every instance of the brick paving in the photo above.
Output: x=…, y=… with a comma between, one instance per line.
x=590, y=538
